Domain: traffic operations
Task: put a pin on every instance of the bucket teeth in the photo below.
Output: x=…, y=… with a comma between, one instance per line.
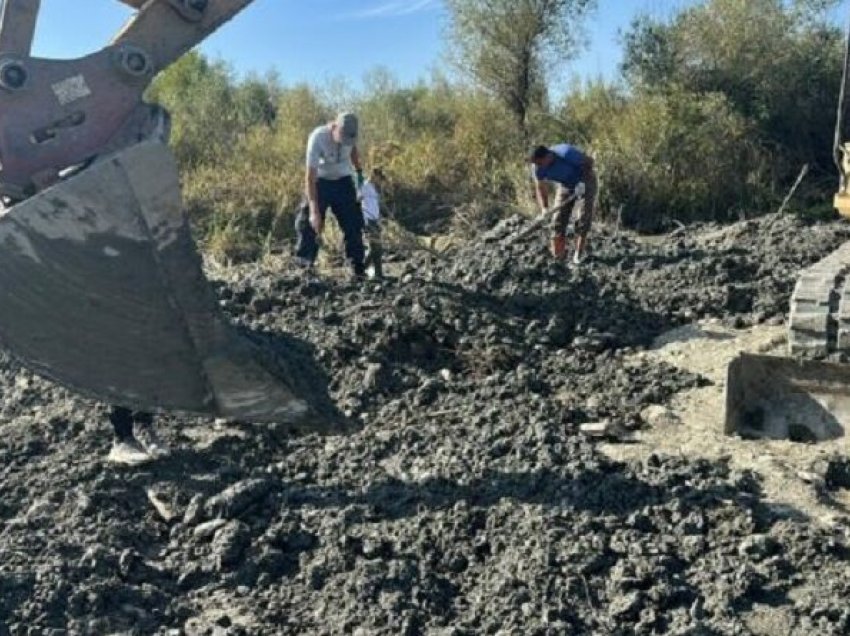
x=102, y=290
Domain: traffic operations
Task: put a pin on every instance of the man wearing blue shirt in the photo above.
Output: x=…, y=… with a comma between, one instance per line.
x=572, y=172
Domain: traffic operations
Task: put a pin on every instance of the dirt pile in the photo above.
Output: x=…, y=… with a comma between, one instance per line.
x=469, y=502
x=744, y=272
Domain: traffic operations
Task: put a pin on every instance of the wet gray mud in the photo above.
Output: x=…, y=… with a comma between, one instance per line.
x=468, y=502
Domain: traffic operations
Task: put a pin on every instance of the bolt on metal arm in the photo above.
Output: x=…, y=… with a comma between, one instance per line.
x=55, y=114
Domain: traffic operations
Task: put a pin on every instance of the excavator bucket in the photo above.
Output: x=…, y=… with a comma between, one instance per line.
x=784, y=398
x=102, y=290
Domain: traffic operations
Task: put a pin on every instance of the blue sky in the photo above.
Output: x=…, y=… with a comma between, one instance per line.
x=320, y=40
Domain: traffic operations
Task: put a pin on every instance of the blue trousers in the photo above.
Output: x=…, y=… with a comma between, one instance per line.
x=340, y=196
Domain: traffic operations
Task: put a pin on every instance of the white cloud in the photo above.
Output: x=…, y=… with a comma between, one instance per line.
x=393, y=9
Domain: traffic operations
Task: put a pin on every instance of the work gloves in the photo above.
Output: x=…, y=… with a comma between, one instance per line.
x=579, y=190
x=577, y=193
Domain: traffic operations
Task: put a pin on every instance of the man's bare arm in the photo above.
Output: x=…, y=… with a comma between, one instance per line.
x=355, y=159
x=311, y=191
x=542, y=195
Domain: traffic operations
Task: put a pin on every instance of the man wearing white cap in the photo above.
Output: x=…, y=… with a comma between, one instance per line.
x=332, y=159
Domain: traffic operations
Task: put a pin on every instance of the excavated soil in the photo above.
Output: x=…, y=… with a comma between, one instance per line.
x=468, y=501
x=793, y=475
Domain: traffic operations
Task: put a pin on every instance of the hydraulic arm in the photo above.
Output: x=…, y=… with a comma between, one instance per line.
x=60, y=113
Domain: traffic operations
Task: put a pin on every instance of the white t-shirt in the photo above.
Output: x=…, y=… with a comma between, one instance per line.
x=371, y=202
x=330, y=159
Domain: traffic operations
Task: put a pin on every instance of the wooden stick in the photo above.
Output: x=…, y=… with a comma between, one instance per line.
x=803, y=172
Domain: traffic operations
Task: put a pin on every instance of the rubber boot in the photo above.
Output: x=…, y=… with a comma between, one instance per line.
x=559, y=247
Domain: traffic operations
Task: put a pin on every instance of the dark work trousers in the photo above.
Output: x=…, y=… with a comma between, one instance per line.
x=122, y=421
x=338, y=195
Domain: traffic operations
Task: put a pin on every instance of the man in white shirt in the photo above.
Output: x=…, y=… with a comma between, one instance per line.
x=332, y=159
x=370, y=201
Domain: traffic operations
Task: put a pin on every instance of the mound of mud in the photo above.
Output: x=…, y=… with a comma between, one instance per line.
x=468, y=503
x=744, y=272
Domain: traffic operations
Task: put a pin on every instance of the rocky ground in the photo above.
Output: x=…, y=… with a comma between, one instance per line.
x=468, y=502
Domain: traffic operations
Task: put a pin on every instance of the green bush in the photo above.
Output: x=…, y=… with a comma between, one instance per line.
x=776, y=62
x=241, y=149
x=677, y=156
x=718, y=110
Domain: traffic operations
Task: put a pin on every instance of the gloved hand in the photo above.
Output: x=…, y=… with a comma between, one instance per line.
x=579, y=190
x=360, y=180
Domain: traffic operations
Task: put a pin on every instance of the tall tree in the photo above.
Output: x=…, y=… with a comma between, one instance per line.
x=507, y=46
x=777, y=63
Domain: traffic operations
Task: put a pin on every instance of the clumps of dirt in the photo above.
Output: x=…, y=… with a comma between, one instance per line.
x=744, y=272
x=469, y=502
